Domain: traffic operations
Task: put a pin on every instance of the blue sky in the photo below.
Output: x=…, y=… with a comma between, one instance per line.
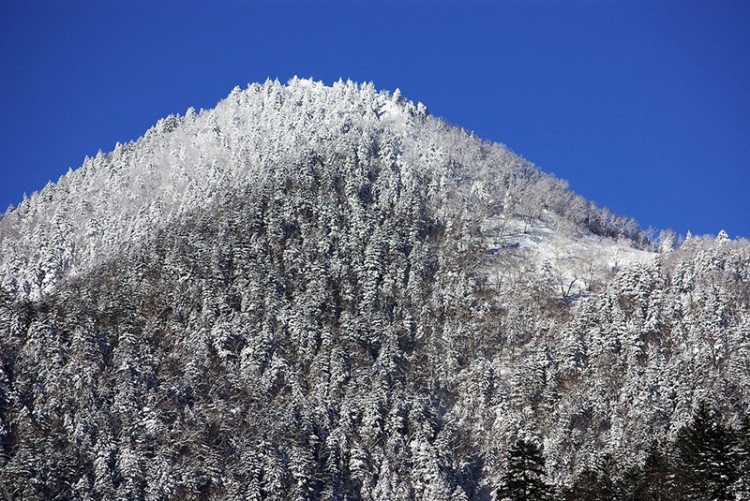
x=643, y=107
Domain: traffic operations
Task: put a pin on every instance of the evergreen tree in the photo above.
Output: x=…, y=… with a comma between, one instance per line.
x=524, y=477
x=742, y=448
x=704, y=458
x=655, y=482
x=602, y=482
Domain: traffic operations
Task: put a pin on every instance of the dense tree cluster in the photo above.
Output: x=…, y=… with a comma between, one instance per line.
x=311, y=311
x=705, y=460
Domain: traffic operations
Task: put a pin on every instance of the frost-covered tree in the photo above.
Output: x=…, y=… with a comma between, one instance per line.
x=704, y=458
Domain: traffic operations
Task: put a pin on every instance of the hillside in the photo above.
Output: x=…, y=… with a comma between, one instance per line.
x=316, y=292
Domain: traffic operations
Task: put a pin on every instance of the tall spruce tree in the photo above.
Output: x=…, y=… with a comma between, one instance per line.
x=524, y=477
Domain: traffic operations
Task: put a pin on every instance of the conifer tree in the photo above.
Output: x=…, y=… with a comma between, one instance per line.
x=655, y=483
x=524, y=478
x=601, y=482
x=704, y=458
x=742, y=448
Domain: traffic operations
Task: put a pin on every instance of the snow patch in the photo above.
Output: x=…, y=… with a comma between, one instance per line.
x=572, y=259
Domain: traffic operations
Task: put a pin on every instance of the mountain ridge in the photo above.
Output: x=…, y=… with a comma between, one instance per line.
x=327, y=304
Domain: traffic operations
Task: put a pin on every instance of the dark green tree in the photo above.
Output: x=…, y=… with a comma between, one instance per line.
x=655, y=482
x=604, y=481
x=742, y=447
x=705, y=460
x=524, y=477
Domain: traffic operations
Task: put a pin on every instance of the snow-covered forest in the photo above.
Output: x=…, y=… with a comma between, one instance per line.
x=316, y=292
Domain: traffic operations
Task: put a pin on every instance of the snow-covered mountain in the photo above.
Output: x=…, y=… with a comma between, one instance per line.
x=326, y=293
x=184, y=163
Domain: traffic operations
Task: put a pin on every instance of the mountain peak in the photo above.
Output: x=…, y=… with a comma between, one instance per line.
x=184, y=162
x=317, y=291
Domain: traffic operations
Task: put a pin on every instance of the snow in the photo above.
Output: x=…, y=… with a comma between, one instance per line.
x=184, y=163
x=572, y=258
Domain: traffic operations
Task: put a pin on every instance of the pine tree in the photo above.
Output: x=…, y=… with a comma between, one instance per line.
x=524, y=478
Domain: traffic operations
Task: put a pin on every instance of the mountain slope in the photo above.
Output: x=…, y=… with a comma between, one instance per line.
x=320, y=292
x=183, y=163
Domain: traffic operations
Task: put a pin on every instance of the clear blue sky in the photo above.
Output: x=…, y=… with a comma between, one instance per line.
x=643, y=106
